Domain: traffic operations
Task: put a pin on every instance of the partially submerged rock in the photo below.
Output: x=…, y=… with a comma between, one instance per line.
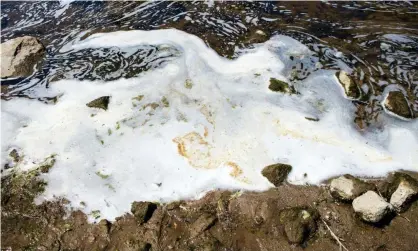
x=299, y=223
x=101, y=103
x=347, y=187
x=396, y=103
x=143, y=211
x=277, y=173
x=371, y=207
x=20, y=55
x=281, y=86
x=350, y=87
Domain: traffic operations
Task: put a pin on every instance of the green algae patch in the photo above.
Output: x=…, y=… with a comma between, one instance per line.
x=138, y=98
x=109, y=131
x=101, y=103
x=95, y=214
x=26, y=185
x=281, y=86
x=15, y=155
x=101, y=175
x=165, y=102
x=47, y=164
x=188, y=84
x=153, y=106
x=110, y=187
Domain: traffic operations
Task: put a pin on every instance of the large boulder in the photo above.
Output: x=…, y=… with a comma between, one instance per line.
x=396, y=103
x=277, y=173
x=20, y=55
x=347, y=187
x=371, y=207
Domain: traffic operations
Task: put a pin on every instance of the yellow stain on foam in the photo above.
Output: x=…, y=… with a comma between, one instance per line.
x=198, y=152
x=370, y=153
x=208, y=113
x=193, y=147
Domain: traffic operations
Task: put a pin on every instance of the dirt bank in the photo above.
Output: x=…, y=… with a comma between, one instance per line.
x=288, y=217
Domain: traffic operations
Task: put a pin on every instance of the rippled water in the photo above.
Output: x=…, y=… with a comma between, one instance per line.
x=377, y=41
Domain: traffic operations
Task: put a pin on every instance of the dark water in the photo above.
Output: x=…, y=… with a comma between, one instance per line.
x=377, y=40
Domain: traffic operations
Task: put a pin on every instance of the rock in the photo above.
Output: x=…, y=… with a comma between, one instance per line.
x=277, y=173
x=281, y=86
x=350, y=87
x=299, y=223
x=405, y=193
x=371, y=207
x=143, y=211
x=202, y=223
x=260, y=32
x=20, y=55
x=347, y=187
x=101, y=103
x=396, y=103
x=388, y=187
x=400, y=189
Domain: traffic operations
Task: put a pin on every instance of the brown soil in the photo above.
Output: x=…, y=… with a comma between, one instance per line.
x=222, y=220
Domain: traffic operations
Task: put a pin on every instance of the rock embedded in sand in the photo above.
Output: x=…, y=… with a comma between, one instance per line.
x=400, y=189
x=299, y=223
x=143, y=210
x=281, y=86
x=20, y=55
x=395, y=102
x=277, y=173
x=347, y=187
x=371, y=207
x=350, y=87
x=404, y=194
x=101, y=103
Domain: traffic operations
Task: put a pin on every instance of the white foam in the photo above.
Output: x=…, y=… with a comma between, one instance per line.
x=227, y=126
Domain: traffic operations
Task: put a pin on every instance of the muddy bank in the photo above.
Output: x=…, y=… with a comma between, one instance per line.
x=287, y=217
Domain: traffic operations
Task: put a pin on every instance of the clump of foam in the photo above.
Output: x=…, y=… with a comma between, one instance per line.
x=199, y=123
